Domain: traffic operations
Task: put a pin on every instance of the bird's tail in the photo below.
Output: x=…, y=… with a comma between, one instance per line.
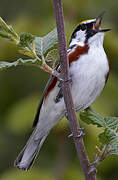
x=27, y=156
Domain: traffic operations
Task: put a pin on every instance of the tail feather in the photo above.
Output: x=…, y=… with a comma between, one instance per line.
x=28, y=154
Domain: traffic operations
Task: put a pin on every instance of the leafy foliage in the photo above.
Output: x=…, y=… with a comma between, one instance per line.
x=8, y=32
x=34, y=47
x=44, y=44
x=89, y=116
x=26, y=39
x=109, y=137
x=52, y=57
x=20, y=61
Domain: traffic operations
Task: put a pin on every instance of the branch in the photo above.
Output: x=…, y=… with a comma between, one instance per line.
x=88, y=169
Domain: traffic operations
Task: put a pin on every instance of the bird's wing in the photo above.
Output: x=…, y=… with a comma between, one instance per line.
x=49, y=86
x=50, y=81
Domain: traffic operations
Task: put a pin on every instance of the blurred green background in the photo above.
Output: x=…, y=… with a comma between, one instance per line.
x=21, y=89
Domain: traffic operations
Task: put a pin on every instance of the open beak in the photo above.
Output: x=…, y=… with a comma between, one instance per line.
x=97, y=24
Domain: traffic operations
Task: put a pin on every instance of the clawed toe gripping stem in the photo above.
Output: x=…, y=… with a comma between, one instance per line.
x=79, y=135
x=63, y=81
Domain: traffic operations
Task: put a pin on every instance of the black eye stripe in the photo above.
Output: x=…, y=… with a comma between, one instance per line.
x=89, y=26
x=90, y=33
x=83, y=27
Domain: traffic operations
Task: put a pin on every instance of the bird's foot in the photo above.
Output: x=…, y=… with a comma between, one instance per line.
x=81, y=133
x=64, y=81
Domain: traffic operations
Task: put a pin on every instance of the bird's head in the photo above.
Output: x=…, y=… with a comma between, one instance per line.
x=88, y=31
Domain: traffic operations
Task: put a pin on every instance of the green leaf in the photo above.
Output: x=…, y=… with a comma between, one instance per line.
x=29, y=44
x=110, y=138
x=4, y=26
x=107, y=136
x=113, y=146
x=102, y=138
x=111, y=122
x=8, y=32
x=44, y=44
x=52, y=57
x=90, y=116
x=26, y=39
x=4, y=34
x=20, y=61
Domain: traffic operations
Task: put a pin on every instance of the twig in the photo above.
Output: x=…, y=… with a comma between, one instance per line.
x=88, y=169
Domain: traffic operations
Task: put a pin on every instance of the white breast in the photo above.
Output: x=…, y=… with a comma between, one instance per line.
x=88, y=75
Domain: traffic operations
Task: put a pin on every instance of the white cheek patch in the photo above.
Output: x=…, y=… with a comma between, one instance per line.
x=79, y=39
x=81, y=36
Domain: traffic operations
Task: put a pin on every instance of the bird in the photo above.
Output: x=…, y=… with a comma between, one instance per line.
x=89, y=69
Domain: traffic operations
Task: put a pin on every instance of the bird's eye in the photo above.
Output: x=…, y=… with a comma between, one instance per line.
x=90, y=26
x=83, y=27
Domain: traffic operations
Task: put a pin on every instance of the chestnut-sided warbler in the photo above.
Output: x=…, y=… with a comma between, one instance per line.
x=88, y=68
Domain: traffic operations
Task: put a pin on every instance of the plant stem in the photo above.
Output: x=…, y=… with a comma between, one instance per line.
x=89, y=171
